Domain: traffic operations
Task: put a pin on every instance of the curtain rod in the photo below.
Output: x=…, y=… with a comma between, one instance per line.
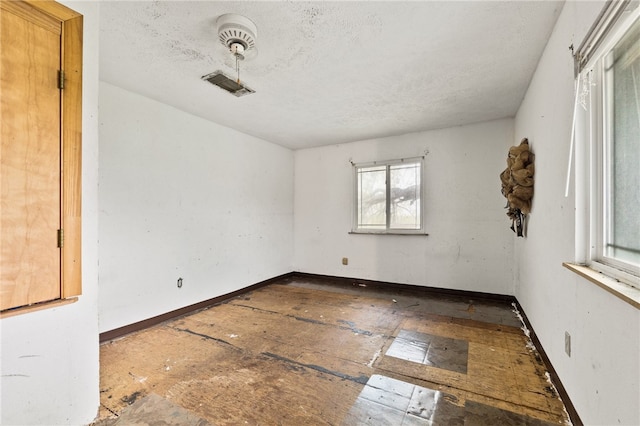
x=398, y=160
x=604, y=22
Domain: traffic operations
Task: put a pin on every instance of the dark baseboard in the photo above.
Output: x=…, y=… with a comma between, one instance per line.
x=571, y=409
x=150, y=322
x=407, y=287
x=344, y=281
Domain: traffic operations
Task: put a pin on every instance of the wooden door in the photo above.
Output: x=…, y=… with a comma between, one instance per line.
x=30, y=214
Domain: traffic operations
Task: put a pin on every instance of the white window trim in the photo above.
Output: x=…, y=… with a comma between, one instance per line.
x=590, y=191
x=387, y=231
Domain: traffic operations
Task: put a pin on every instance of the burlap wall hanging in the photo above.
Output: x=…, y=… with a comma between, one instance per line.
x=517, y=185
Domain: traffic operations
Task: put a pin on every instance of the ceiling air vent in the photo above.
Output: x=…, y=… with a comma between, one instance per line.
x=218, y=78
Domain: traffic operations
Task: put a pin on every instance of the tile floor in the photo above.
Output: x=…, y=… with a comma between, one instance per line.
x=436, y=351
x=314, y=351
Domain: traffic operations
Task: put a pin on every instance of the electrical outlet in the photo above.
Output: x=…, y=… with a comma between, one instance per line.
x=567, y=343
x=345, y=260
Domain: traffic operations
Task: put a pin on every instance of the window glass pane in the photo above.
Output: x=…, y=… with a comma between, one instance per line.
x=623, y=236
x=372, y=196
x=405, y=196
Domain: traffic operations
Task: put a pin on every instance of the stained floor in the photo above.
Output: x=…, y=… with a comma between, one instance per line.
x=316, y=351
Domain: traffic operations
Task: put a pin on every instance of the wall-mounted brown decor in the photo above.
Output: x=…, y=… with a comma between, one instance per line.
x=517, y=185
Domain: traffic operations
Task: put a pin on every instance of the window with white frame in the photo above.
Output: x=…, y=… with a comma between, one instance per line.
x=388, y=197
x=611, y=78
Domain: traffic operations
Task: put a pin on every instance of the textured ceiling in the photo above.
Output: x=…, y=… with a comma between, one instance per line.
x=332, y=72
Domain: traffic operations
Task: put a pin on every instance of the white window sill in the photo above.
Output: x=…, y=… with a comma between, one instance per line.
x=419, y=234
x=623, y=291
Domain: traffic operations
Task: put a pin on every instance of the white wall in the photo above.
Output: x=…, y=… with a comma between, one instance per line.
x=469, y=246
x=602, y=376
x=184, y=197
x=49, y=363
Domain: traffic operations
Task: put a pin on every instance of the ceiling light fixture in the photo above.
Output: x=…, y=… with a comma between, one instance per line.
x=239, y=34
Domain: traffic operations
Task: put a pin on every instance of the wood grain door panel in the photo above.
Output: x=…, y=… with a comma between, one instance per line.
x=30, y=152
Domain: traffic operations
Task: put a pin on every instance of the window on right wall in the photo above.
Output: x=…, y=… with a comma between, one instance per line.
x=610, y=93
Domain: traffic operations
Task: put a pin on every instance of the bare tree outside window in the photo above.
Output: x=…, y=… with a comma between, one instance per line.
x=388, y=196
